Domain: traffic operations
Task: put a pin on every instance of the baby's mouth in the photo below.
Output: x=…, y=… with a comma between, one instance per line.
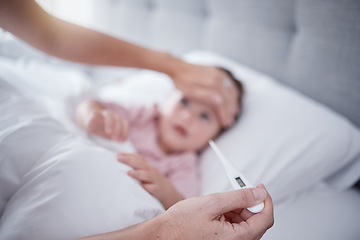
x=180, y=130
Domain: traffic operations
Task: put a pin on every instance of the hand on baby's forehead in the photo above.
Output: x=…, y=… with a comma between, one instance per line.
x=227, y=102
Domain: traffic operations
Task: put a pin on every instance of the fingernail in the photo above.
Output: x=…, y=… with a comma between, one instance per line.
x=259, y=194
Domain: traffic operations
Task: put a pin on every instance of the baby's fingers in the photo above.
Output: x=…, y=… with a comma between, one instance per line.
x=141, y=175
x=116, y=127
x=95, y=124
x=109, y=123
x=123, y=132
x=119, y=125
x=133, y=160
x=151, y=188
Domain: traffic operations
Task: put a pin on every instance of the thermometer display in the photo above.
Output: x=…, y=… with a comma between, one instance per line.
x=240, y=182
x=236, y=179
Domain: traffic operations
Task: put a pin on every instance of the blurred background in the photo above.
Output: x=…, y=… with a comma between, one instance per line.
x=79, y=12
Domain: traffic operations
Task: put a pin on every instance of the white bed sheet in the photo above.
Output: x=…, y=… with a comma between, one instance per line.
x=57, y=185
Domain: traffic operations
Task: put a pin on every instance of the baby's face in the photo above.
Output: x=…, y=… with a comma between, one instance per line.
x=189, y=125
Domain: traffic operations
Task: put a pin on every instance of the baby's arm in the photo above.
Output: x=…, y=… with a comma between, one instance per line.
x=96, y=119
x=151, y=179
x=185, y=176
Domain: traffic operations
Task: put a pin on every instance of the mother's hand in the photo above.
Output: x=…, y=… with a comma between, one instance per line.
x=221, y=216
x=210, y=85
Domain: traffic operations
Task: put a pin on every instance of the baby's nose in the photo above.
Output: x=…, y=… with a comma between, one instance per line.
x=186, y=115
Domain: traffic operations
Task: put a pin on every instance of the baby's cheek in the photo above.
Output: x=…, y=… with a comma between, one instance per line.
x=212, y=131
x=202, y=135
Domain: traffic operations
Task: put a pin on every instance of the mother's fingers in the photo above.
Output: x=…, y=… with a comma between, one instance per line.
x=234, y=217
x=227, y=103
x=219, y=204
x=223, y=97
x=206, y=83
x=257, y=224
x=224, y=102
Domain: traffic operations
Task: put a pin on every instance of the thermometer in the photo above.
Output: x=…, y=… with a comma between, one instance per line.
x=237, y=180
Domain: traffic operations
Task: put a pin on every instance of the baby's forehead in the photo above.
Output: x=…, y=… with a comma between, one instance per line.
x=202, y=105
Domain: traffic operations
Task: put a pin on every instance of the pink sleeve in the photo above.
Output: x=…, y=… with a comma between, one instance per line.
x=184, y=175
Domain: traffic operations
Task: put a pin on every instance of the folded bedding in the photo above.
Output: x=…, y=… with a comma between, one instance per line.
x=54, y=185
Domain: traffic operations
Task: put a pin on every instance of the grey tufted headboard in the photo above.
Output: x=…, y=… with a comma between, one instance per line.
x=310, y=45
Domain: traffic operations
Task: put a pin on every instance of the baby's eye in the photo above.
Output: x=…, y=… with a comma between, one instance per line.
x=184, y=102
x=205, y=117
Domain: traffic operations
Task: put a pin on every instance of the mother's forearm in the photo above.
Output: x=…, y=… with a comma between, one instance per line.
x=156, y=228
x=62, y=39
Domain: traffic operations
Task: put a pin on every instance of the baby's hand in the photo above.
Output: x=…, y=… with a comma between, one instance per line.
x=107, y=124
x=151, y=179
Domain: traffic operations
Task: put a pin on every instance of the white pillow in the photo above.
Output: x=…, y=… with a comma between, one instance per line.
x=283, y=139
x=57, y=186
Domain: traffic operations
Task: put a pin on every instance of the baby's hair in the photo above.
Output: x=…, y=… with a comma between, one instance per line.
x=240, y=89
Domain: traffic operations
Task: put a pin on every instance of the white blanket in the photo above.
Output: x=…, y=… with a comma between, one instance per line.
x=54, y=185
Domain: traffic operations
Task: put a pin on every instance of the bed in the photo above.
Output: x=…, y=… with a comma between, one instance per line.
x=299, y=133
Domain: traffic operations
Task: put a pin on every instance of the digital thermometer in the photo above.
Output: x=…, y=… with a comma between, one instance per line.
x=237, y=180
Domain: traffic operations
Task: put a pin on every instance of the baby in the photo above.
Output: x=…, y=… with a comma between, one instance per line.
x=167, y=142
